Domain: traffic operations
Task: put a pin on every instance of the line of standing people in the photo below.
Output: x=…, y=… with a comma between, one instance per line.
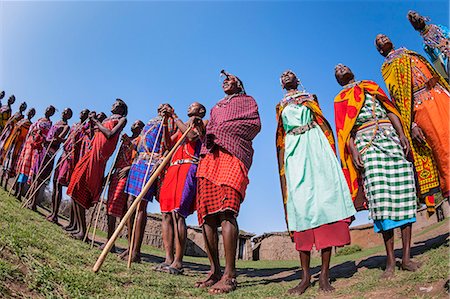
x=392, y=152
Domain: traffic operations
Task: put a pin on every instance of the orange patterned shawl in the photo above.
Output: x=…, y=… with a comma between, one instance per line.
x=397, y=74
x=347, y=105
x=312, y=104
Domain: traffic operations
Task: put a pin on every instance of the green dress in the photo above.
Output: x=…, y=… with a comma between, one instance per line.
x=317, y=190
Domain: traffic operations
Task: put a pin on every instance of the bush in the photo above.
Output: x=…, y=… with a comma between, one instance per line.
x=348, y=250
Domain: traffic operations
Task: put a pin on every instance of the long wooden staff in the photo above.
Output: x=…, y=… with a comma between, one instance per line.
x=133, y=230
x=101, y=197
x=138, y=199
x=49, y=176
x=41, y=169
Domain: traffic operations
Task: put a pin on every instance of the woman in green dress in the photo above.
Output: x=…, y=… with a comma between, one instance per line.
x=316, y=197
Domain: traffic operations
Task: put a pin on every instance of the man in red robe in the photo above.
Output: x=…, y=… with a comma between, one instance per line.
x=66, y=164
x=227, y=155
x=117, y=198
x=86, y=183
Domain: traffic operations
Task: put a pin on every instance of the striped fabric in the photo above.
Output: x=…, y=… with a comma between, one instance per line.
x=388, y=177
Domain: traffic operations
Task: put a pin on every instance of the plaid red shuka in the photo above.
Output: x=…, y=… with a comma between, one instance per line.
x=234, y=123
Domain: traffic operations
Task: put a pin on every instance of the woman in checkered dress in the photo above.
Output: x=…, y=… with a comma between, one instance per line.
x=374, y=146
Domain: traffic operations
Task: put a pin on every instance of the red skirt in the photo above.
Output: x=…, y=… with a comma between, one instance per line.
x=213, y=199
x=328, y=235
x=117, y=198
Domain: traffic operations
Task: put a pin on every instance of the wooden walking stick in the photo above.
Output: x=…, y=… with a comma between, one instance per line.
x=101, y=197
x=138, y=199
x=49, y=176
x=40, y=169
x=133, y=230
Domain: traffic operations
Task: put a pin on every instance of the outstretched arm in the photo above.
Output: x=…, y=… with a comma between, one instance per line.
x=111, y=133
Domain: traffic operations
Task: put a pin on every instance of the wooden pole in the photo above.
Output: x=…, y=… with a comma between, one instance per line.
x=101, y=198
x=48, y=177
x=40, y=169
x=138, y=199
x=33, y=184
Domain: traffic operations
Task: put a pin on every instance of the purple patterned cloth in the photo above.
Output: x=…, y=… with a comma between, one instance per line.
x=234, y=123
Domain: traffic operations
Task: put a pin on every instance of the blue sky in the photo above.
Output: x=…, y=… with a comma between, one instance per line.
x=86, y=54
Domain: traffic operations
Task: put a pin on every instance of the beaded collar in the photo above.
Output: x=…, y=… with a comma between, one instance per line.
x=297, y=98
x=433, y=37
x=394, y=54
x=350, y=85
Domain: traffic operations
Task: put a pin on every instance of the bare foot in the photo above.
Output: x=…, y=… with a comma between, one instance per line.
x=224, y=285
x=135, y=258
x=124, y=254
x=324, y=285
x=112, y=250
x=388, y=273
x=210, y=280
x=52, y=219
x=410, y=266
x=77, y=236
x=304, y=284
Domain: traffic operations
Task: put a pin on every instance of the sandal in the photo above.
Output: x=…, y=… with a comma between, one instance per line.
x=161, y=266
x=224, y=286
x=172, y=270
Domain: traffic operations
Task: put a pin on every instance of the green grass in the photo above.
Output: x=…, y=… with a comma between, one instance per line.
x=38, y=260
x=347, y=250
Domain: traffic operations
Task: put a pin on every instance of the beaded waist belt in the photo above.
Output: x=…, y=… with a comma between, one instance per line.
x=302, y=129
x=147, y=156
x=373, y=123
x=420, y=87
x=184, y=161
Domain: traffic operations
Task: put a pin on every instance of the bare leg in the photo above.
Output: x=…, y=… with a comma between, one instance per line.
x=305, y=259
x=168, y=236
x=180, y=242
x=211, y=238
x=35, y=197
x=4, y=183
x=230, y=234
x=407, y=263
x=324, y=278
x=72, y=218
x=388, y=237
x=111, y=229
x=130, y=222
x=139, y=231
x=20, y=191
x=81, y=222
x=56, y=201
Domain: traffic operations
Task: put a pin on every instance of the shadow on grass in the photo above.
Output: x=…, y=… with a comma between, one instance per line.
x=343, y=270
x=418, y=248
